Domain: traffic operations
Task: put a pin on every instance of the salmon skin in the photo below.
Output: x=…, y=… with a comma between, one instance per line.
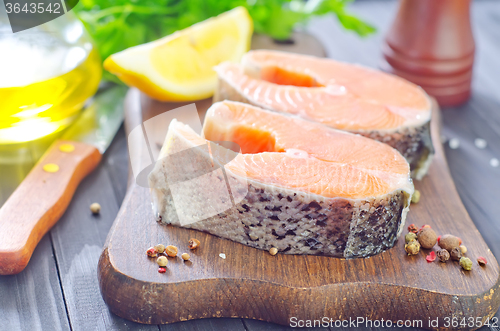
x=343, y=96
x=297, y=185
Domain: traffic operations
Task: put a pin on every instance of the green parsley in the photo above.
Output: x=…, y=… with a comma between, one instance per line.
x=118, y=24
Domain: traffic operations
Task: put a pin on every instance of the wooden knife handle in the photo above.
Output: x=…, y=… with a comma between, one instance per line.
x=40, y=200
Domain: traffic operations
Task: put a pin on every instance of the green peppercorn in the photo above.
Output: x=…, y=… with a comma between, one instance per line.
x=466, y=263
x=410, y=236
x=415, y=198
x=160, y=248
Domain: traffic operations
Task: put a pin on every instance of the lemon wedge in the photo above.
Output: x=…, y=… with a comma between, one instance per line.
x=179, y=67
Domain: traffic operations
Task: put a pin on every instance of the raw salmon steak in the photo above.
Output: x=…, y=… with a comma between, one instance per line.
x=343, y=96
x=297, y=185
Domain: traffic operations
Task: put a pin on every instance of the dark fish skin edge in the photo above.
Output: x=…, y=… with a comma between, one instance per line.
x=413, y=143
x=299, y=224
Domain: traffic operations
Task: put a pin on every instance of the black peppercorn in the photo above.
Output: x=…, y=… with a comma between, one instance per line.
x=443, y=255
x=456, y=254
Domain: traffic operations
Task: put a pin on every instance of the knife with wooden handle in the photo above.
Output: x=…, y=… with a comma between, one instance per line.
x=43, y=196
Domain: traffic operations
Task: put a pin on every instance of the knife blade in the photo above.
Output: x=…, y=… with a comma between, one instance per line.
x=43, y=196
x=100, y=121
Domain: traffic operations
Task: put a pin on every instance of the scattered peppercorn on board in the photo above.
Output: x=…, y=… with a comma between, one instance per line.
x=251, y=283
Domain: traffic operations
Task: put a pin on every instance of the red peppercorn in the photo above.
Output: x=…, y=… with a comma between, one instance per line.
x=412, y=228
x=425, y=226
x=162, y=270
x=459, y=241
x=152, y=252
x=481, y=260
x=439, y=238
x=431, y=257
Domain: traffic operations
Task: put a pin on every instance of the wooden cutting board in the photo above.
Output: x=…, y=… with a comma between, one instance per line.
x=250, y=283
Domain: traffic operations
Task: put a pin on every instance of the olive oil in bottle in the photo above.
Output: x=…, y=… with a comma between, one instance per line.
x=46, y=74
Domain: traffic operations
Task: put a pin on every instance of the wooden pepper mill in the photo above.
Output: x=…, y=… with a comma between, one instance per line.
x=431, y=44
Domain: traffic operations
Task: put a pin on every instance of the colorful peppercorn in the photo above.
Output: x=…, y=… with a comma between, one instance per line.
x=463, y=249
x=431, y=257
x=95, y=208
x=194, y=243
x=443, y=255
x=160, y=248
x=466, y=263
x=162, y=261
x=449, y=242
x=152, y=252
x=162, y=270
x=171, y=251
x=412, y=248
x=481, y=260
x=412, y=228
x=456, y=254
x=273, y=251
x=427, y=237
x=185, y=256
x=415, y=198
x=410, y=236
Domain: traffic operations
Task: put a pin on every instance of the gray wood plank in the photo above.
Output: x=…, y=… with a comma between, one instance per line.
x=210, y=324
x=32, y=299
x=264, y=326
x=346, y=46
x=116, y=162
x=362, y=326
x=476, y=180
x=486, y=28
x=78, y=239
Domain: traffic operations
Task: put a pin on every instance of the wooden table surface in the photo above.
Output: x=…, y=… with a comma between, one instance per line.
x=59, y=290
